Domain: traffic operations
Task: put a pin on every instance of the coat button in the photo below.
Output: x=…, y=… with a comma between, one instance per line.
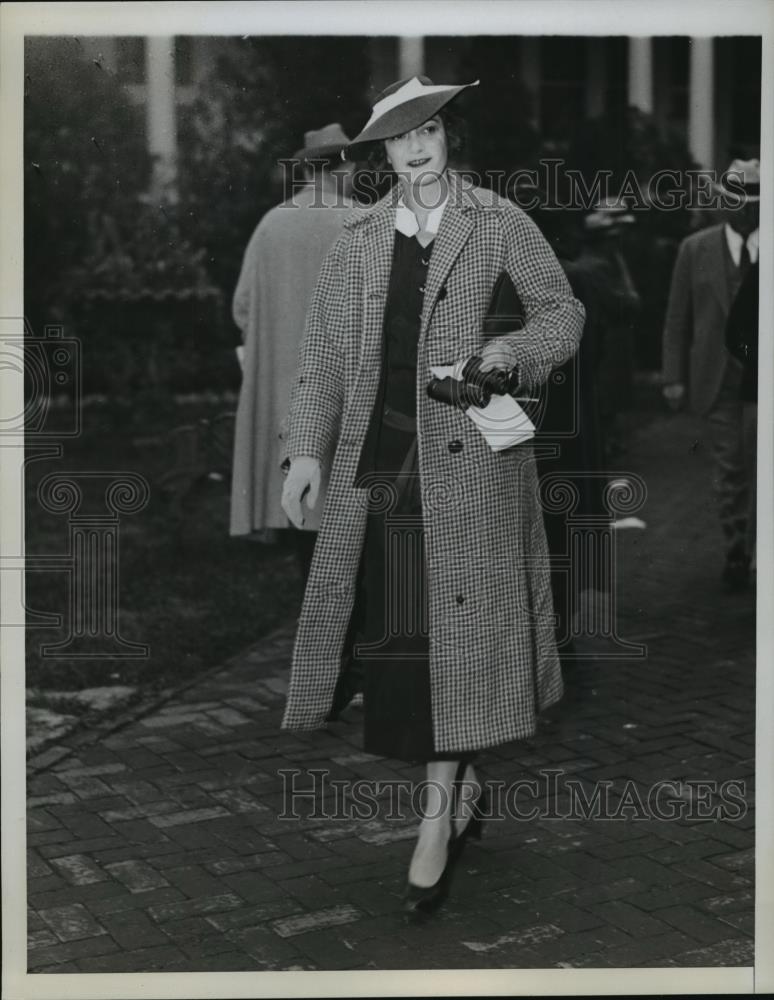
x=455, y=446
x=422, y=289
x=460, y=598
x=443, y=293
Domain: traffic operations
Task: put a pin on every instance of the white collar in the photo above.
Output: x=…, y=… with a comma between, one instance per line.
x=735, y=241
x=406, y=222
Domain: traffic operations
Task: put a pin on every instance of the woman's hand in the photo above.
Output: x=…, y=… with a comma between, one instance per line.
x=495, y=355
x=303, y=479
x=674, y=394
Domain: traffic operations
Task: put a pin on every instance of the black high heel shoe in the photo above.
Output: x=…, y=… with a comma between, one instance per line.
x=423, y=900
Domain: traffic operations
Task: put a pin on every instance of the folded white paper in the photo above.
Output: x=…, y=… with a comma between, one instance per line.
x=502, y=421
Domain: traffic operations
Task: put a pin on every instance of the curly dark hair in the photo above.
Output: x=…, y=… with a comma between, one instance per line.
x=374, y=157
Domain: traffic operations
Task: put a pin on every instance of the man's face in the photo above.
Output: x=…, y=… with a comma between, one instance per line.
x=744, y=219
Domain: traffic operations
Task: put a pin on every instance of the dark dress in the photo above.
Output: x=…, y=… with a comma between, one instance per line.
x=390, y=620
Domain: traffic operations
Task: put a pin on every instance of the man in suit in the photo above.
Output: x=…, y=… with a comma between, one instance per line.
x=742, y=342
x=710, y=269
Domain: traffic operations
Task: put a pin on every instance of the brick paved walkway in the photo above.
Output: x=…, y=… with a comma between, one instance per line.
x=158, y=847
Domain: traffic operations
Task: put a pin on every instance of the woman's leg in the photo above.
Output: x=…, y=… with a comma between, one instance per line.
x=431, y=852
x=470, y=790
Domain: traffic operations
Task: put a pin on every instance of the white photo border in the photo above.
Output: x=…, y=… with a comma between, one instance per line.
x=372, y=17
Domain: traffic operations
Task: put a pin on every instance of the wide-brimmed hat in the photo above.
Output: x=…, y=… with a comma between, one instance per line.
x=323, y=142
x=405, y=105
x=745, y=177
x=609, y=213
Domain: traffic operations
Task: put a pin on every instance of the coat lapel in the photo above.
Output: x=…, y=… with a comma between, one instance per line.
x=714, y=266
x=378, y=242
x=378, y=239
x=457, y=223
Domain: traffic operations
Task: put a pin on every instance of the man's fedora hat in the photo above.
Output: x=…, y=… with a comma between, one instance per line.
x=609, y=213
x=405, y=105
x=323, y=142
x=742, y=181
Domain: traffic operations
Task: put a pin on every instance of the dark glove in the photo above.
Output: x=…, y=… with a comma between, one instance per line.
x=475, y=388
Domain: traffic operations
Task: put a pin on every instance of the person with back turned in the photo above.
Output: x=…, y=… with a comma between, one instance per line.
x=278, y=275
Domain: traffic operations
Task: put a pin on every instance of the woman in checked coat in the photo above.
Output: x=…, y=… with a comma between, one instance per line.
x=431, y=554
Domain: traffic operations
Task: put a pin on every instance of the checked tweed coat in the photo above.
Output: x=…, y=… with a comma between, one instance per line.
x=493, y=659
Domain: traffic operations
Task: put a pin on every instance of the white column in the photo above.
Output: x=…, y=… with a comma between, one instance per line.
x=596, y=77
x=160, y=108
x=701, y=102
x=411, y=57
x=530, y=72
x=641, y=74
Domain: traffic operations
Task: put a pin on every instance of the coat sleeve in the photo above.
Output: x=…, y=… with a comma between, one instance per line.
x=678, y=325
x=317, y=396
x=553, y=316
x=246, y=289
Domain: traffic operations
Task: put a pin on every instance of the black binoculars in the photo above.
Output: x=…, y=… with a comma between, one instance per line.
x=475, y=388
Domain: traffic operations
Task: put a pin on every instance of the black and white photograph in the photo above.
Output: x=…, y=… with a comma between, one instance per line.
x=387, y=515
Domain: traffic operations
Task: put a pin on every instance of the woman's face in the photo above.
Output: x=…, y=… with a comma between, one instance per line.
x=419, y=156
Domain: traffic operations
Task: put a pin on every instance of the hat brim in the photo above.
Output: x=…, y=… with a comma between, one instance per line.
x=739, y=197
x=600, y=222
x=402, y=119
x=319, y=152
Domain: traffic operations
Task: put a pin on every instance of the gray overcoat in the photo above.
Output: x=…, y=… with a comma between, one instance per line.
x=278, y=275
x=694, y=344
x=493, y=659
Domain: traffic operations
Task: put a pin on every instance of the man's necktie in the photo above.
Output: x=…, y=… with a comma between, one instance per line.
x=744, y=259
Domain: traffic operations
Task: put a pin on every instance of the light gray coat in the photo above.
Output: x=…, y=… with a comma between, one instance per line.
x=278, y=275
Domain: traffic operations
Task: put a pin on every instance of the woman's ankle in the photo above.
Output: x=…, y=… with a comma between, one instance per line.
x=468, y=796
